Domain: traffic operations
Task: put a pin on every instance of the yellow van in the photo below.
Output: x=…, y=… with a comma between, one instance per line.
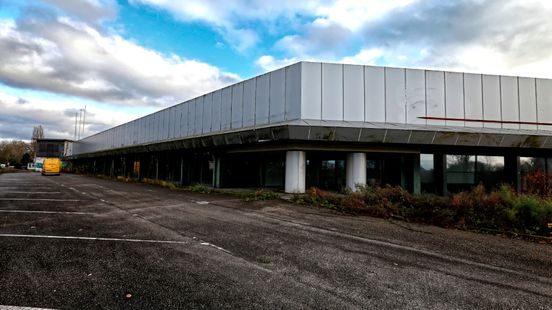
x=51, y=166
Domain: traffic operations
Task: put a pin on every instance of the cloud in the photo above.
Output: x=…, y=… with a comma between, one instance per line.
x=269, y=63
x=56, y=115
x=61, y=55
x=89, y=11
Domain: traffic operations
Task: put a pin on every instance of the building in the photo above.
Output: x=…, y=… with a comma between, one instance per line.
x=47, y=148
x=335, y=126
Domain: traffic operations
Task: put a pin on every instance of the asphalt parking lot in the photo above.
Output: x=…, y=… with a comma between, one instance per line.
x=80, y=242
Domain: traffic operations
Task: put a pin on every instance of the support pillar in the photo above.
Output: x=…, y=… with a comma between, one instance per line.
x=295, y=172
x=416, y=180
x=440, y=174
x=512, y=172
x=355, y=170
x=216, y=172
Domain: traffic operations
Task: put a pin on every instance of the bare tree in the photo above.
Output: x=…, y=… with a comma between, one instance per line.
x=38, y=133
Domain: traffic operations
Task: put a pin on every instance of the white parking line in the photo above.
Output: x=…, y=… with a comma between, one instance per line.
x=22, y=308
x=46, y=212
x=10, y=192
x=37, y=199
x=93, y=238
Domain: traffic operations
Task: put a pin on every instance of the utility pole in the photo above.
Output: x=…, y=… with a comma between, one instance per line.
x=83, y=119
x=76, y=118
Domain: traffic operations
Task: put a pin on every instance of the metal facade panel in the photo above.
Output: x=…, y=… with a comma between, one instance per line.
x=353, y=93
x=207, y=112
x=544, y=103
x=293, y=92
x=191, y=117
x=249, y=103
x=435, y=92
x=156, y=127
x=374, y=94
x=454, y=97
x=395, y=95
x=172, y=122
x=215, y=119
x=311, y=90
x=199, y=115
x=415, y=96
x=332, y=92
x=262, y=101
x=491, y=101
x=277, y=95
x=226, y=108
x=237, y=106
x=510, y=103
x=184, y=119
x=473, y=98
x=166, y=119
x=527, y=102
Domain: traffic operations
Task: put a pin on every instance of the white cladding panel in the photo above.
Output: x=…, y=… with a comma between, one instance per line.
x=165, y=132
x=157, y=126
x=249, y=103
x=544, y=103
x=191, y=117
x=175, y=121
x=415, y=96
x=277, y=95
x=454, y=98
x=207, y=112
x=332, y=92
x=374, y=94
x=491, y=100
x=262, y=101
x=435, y=90
x=226, y=109
x=510, y=105
x=237, y=106
x=353, y=93
x=217, y=101
x=311, y=90
x=293, y=92
x=199, y=115
x=473, y=98
x=395, y=95
x=527, y=102
x=184, y=119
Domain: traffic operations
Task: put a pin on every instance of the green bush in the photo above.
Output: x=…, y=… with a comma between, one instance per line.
x=502, y=209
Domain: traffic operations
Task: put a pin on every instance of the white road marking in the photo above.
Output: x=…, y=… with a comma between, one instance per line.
x=216, y=247
x=46, y=212
x=93, y=238
x=38, y=199
x=10, y=192
x=22, y=308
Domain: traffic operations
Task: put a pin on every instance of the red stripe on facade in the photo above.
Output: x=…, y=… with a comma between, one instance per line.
x=476, y=120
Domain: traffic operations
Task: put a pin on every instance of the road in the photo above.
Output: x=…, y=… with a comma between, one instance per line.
x=81, y=242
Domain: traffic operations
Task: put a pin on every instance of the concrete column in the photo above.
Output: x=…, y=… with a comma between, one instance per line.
x=512, y=172
x=440, y=173
x=295, y=172
x=216, y=172
x=416, y=181
x=355, y=170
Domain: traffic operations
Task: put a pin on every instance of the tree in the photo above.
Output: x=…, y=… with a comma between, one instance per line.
x=38, y=133
x=12, y=151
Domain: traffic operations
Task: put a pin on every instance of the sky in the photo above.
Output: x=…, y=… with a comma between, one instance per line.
x=126, y=59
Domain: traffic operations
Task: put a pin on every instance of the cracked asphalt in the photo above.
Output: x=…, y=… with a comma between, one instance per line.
x=76, y=242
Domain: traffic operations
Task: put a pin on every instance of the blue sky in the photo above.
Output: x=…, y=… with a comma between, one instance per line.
x=124, y=59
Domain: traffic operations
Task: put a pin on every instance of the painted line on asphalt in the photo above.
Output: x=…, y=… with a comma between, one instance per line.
x=4, y=307
x=94, y=238
x=38, y=199
x=46, y=212
x=216, y=247
x=12, y=192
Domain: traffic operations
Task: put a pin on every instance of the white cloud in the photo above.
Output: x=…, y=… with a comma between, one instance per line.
x=269, y=63
x=56, y=115
x=65, y=56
